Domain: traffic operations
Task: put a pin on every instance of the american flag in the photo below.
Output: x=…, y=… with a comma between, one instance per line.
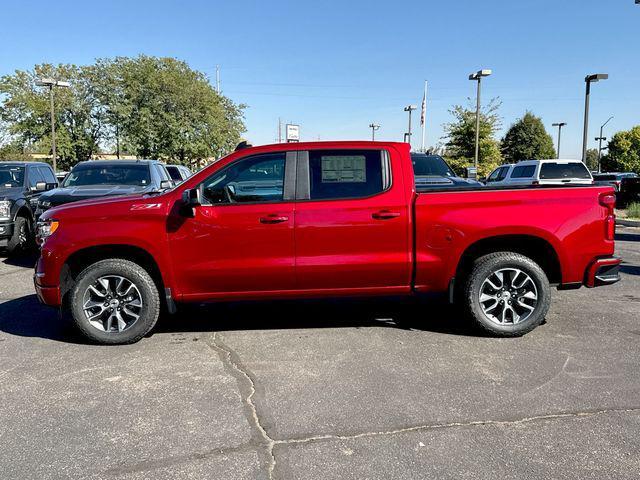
x=423, y=113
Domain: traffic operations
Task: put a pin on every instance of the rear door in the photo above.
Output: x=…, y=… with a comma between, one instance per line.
x=522, y=174
x=352, y=222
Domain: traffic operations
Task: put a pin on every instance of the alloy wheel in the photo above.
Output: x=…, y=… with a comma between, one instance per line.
x=112, y=303
x=508, y=296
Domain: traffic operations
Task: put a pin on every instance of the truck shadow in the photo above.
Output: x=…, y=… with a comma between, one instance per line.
x=26, y=317
x=312, y=314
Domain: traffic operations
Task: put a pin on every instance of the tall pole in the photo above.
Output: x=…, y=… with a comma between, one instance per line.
x=218, y=79
x=585, y=132
x=600, y=139
x=559, y=125
x=373, y=127
x=588, y=80
x=409, y=108
x=53, y=130
x=477, y=153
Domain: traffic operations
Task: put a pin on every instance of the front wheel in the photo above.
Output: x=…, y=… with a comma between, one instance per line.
x=507, y=294
x=114, y=301
x=22, y=238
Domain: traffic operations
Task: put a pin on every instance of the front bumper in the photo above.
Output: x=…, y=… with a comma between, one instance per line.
x=47, y=295
x=603, y=271
x=6, y=232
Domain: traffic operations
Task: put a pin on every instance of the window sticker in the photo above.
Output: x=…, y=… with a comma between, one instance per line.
x=344, y=169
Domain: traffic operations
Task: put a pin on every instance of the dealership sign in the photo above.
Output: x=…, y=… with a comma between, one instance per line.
x=293, y=133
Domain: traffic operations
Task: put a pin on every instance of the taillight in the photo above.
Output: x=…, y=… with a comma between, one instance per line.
x=608, y=200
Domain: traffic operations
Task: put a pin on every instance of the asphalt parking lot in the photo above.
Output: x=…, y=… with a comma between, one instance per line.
x=325, y=390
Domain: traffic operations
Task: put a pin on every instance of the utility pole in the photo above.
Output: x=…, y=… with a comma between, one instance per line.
x=478, y=77
x=373, y=127
x=589, y=79
x=50, y=83
x=407, y=136
x=559, y=125
x=599, y=140
x=218, y=79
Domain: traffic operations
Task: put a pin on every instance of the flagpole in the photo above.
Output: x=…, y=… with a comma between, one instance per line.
x=424, y=114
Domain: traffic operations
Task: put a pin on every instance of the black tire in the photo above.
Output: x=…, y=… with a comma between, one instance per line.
x=482, y=270
x=22, y=239
x=132, y=272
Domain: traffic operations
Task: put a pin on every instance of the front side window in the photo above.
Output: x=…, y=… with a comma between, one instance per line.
x=11, y=176
x=503, y=174
x=47, y=175
x=346, y=173
x=108, y=175
x=35, y=176
x=259, y=178
x=174, y=171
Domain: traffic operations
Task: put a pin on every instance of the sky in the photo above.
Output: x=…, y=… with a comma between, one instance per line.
x=334, y=67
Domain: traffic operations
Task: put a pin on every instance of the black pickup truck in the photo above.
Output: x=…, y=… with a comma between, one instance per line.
x=107, y=178
x=21, y=183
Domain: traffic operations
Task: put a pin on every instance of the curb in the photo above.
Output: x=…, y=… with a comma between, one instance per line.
x=627, y=223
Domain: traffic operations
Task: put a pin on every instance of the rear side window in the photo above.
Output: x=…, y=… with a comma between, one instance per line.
x=523, y=171
x=564, y=170
x=347, y=173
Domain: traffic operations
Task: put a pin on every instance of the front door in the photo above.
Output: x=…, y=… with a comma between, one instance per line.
x=241, y=239
x=352, y=222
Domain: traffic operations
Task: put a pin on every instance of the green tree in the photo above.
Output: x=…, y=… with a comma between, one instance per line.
x=624, y=152
x=25, y=111
x=592, y=159
x=161, y=108
x=527, y=139
x=460, y=136
x=153, y=107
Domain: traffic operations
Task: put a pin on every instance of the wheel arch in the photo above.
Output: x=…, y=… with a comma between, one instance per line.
x=80, y=259
x=538, y=249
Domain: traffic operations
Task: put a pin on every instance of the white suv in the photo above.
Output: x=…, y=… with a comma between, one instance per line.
x=541, y=172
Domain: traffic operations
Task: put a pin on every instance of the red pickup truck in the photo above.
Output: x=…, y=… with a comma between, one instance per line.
x=318, y=220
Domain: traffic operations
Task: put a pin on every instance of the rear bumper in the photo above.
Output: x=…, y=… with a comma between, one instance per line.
x=603, y=271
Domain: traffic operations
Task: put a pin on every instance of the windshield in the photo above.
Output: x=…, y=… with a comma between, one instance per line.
x=11, y=176
x=108, y=175
x=430, y=165
x=564, y=170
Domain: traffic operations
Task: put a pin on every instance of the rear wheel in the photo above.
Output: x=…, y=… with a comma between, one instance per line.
x=507, y=294
x=115, y=302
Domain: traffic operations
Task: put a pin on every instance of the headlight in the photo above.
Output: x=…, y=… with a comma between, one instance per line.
x=46, y=228
x=5, y=210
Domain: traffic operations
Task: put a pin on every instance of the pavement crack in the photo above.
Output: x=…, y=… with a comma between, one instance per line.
x=474, y=423
x=247, y=384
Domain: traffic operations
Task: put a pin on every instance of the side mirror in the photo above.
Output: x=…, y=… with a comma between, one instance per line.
x=166, y=184
x=40, y=187
x=190, y=200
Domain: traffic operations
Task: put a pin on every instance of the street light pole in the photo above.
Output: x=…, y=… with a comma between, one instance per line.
x=559, y=125
x=599, y=140
x=585, y=134
x=49, y=82
x=373, y=127
x=407, y=136
x=478, y=77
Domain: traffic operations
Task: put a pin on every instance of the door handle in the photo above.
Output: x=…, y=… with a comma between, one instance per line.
x=271, y=219
x=385, y=215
